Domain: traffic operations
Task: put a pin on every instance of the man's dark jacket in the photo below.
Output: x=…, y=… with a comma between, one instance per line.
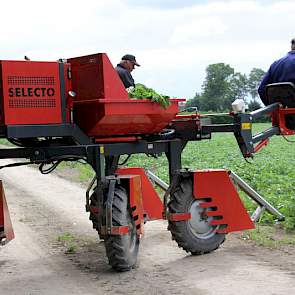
x=125, y=76
x=282, y=70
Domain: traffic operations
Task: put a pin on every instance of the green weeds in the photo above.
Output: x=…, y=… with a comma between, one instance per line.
x=69, y=242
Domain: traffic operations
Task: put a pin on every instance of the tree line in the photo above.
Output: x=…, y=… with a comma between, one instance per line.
x=222, y=85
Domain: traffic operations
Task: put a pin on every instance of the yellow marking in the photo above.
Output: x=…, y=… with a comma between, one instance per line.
x=246, y=126
x=101, y=149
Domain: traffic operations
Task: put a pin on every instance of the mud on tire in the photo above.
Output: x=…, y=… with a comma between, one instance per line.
x=196, y=235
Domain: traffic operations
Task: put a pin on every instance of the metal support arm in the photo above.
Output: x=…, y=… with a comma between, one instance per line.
x=262, y=203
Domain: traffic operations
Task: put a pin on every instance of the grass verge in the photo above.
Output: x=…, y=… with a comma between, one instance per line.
x=270, y=236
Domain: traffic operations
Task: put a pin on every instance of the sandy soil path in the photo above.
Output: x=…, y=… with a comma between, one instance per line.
x=44, y=207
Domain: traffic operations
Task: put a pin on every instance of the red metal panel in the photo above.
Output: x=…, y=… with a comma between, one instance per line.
x=1, y=211
x=31, y=92
x=113, y=86
x=135, y=199
x=1, y=98
x=278, y=118
x=216, y=186
x=6, y=230
x=152, y=204
x=87, y=77
x=94, y=77
x=116, y=230
x=179, y=216
x=104, y=118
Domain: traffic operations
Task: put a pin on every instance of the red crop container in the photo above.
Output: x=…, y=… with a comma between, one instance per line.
x=102, y=107
x=107, y=118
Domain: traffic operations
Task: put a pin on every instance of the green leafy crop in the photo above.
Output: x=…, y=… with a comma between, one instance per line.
x=142, y=92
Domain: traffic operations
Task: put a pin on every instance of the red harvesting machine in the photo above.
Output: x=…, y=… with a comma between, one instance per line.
x=79, y=109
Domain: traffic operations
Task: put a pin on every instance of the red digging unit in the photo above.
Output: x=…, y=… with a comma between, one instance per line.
x=33, y=92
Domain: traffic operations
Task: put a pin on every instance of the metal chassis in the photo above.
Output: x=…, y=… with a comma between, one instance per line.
x=97, y=154
x=103, y=158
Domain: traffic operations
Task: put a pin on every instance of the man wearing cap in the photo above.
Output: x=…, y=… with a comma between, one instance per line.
x=282, y=70
x=124, y=69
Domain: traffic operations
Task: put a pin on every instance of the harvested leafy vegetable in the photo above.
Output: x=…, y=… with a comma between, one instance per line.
x=142, y=92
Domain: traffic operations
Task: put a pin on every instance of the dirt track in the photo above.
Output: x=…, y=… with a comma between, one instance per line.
x=44, y=207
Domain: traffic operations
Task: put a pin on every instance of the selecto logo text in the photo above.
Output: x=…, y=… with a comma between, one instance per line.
x=31, y=92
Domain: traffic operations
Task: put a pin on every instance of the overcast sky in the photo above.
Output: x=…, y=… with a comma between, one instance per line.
x=173, y=40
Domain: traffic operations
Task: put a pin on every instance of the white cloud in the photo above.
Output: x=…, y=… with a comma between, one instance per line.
x=174, y=45
x=204, y=27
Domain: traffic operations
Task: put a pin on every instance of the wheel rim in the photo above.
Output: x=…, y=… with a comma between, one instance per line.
x=200, y=224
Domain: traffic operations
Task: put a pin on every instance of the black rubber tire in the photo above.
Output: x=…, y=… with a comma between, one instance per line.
x=195, y=236
x=122, y=250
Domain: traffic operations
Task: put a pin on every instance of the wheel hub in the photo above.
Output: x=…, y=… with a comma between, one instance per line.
x=200, y=224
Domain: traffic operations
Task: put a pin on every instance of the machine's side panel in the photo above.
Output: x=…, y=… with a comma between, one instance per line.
x=87, y=77
x=31, y=92
x=1, y=98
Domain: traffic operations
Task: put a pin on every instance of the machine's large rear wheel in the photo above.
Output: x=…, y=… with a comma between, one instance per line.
x=196, y=235
x=122, y=250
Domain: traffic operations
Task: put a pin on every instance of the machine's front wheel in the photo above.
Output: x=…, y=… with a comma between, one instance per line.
x=196, y=235
x=122, y=250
